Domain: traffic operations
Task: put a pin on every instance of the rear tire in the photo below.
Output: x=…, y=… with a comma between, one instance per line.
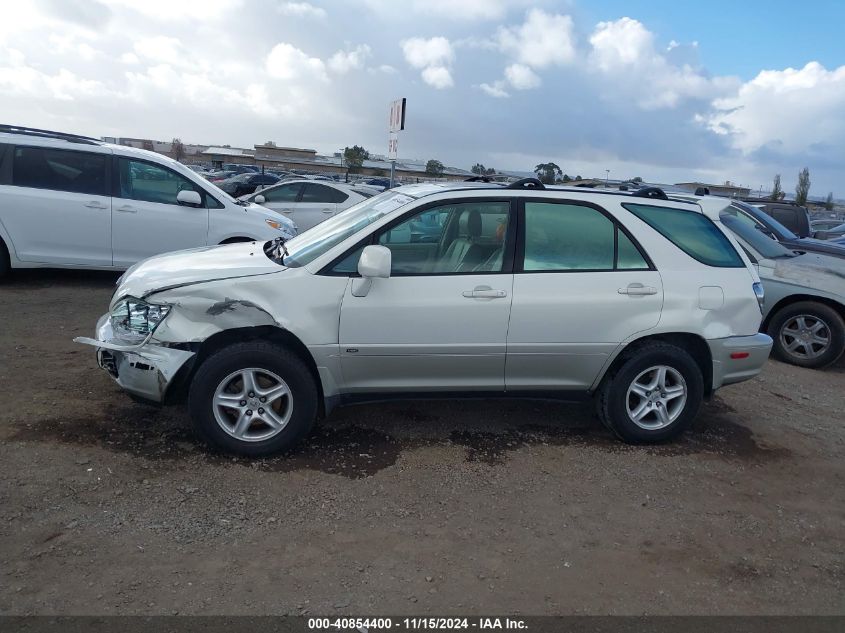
x=653, y=394
x=253, y=398
x=814, y=331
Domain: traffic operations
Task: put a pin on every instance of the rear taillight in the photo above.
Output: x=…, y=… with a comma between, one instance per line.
x=760, y=294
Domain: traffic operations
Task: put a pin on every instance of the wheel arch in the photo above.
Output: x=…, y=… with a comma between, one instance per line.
x=235, y=239
x=179, y=387
x=797, y=298
x=694, y=344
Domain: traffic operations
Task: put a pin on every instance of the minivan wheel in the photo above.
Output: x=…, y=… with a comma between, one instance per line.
x=253, y=399
x=653, y=394
x=808, y=334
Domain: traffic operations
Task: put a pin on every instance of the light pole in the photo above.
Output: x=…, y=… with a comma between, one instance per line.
x=607, y=177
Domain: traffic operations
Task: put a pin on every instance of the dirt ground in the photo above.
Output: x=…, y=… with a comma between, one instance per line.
x=112, y=507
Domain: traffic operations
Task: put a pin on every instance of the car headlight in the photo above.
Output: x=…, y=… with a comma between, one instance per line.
x=132, y=320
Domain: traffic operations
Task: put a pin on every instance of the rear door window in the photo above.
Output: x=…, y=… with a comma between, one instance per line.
x=282, y=193
x=572, y=237
x=692, y=232
x=60, y=170
x=322, y=193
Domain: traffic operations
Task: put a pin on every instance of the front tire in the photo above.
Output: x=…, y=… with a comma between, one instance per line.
x=808, y=334
x=253, y=399
x=653, y=394
x=5, y=264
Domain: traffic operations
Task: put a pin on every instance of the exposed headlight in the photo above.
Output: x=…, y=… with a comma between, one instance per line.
x=132, y=320
x=760, y=294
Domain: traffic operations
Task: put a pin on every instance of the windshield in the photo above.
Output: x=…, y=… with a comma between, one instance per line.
x=746, y=229
x=309, y=245
x=767, y=220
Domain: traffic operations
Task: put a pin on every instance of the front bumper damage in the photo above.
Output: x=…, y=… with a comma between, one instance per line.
x=145, y=370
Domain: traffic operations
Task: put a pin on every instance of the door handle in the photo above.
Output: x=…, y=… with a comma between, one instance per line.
x=286, y=210
x=484, y=292
x=637, y=290
x=95, y=205
x=127, y=209
x=326, y=210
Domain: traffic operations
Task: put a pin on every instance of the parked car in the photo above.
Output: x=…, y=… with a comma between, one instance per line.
x=792, y=215
x=243, y=184
x=308, y=202
x=818, y=226
x=218, y=176
x=384, y=183
x=805, y=296
x=71, y=201
x=777, y=231
x=831, y=233
x=240, y=169
x=647, y=305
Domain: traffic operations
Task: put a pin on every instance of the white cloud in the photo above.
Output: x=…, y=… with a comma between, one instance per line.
x=495, y=89
x=420, y=52
x=302, y=10
x=344, y=61
x=130, y=59
x=160, y=48
x=287, y=62
x=544, y=39
x=521, y=77
x=789, y=111
x=434, y=56
x=438, y=77
x=466, y=9
x=625, y=50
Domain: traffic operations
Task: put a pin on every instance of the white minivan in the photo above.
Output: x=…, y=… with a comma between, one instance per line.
x=69, y=201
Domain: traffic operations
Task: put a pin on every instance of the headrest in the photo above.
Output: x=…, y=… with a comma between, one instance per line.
x=470, y=224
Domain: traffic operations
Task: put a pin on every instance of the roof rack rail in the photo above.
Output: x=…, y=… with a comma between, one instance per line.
x=650, y=192
x=32, y=131
x=526, y=183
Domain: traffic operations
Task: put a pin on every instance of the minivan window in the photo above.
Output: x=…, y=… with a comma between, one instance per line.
x=60, y=170
x=692, y=232
x=147, y=182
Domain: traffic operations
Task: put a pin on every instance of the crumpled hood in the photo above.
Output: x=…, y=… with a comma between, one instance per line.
x=197, y=265
x=823, y=272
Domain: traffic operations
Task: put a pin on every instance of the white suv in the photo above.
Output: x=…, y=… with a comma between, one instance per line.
x=70, y=201
x=644, y=303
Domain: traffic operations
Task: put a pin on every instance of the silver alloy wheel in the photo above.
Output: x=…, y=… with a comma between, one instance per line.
x=252, y=404
x=656, y=397
x=805, y=336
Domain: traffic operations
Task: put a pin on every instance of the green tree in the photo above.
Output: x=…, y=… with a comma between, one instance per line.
x=828, y=202
x=547, y=172
x=578, y=178
x=354, y=157
x=434, y=168
x=566, y=178
x=479, y=169
x=177, y=149
x=776, y=189
x=803, y=186
x=636, y=179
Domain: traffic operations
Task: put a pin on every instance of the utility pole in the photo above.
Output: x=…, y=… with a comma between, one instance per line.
x=607, y=177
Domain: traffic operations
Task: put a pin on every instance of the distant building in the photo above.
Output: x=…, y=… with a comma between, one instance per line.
x=727, y=189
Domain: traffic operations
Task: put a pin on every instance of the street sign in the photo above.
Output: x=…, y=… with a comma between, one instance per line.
x=393, y=147
x=397, y=115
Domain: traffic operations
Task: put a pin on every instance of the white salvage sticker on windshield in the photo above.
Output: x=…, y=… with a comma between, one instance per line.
x=394, y=202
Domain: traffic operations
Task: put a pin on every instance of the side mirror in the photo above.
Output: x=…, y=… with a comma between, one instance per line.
x=189, y=198
x=374, y=262
x=259, y=199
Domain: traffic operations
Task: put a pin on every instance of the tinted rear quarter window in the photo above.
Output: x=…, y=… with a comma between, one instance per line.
x=60, y=170
x=692, y=232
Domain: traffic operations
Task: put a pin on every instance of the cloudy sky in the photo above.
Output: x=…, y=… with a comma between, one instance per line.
x=656, y=89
